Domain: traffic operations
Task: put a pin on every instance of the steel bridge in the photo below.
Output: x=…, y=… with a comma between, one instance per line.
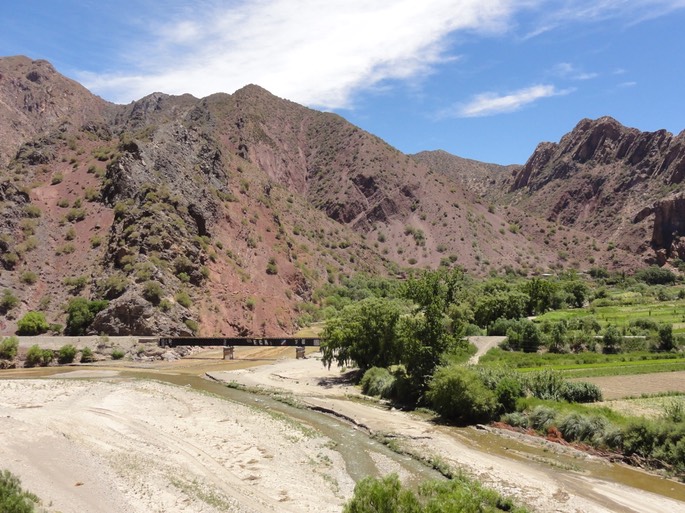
x=240, y=341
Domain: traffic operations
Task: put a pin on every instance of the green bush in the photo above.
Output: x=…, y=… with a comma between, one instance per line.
x=32, y=323
x=118, y=353
x=547, y=385
x=153, y=292
x=183, y=299
x=541, y=418
x=192, y=325
x=507, y=391
x=457, y=393
x=460, y=494
x=384, y=495
x=8, y=348
x=28, y=277
x=580, y=392
x=8, y=301
x=37, y=356
x=271, y=267
x=377, y=382
x=582, y=428
x=113, y=286
x=87, y=355
x=66, y=354
x=656, y=276
x=13, y=499
x=76, y=215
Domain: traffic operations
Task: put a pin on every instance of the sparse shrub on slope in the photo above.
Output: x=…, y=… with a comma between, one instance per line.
x=33, y=323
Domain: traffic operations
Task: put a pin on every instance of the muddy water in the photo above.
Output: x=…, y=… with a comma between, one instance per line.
x=573, y=469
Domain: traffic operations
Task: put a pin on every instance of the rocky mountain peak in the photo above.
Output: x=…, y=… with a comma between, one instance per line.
x=602, y=142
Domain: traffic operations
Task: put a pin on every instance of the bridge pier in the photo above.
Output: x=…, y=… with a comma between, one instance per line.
x=228, y=352
x=299, y=352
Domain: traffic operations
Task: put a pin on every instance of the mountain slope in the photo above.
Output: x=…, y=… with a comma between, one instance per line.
x=224, y=214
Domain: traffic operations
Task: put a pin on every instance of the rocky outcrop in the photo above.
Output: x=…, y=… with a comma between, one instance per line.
x=130, y=314
x=608, y=180
x=669, y=228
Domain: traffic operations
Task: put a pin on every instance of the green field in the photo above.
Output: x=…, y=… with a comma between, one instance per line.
x=627, y=307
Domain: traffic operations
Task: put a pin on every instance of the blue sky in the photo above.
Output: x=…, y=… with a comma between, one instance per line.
x=483, y=79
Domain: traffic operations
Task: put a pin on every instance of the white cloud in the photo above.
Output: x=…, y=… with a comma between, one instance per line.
x=488, y=104
x=322, y=52
x=311, y=51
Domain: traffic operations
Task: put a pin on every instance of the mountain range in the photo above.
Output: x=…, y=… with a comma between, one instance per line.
x=225, y=214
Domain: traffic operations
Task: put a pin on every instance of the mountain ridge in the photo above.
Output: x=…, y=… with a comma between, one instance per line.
x=224, y=214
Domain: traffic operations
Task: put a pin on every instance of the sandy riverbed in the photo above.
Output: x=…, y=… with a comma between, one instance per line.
x=113, y=444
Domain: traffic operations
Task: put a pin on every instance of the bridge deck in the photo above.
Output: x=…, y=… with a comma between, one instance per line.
x=238, y=341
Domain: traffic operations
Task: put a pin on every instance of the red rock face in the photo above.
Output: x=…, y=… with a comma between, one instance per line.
x=669, y=227
x=230, y=211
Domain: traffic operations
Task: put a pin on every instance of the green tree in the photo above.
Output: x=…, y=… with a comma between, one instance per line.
x=32, y=323
x=363, y=333
x=611, y=340
x=542, y=295
x=80, y=313
x=524, y=336
x=557, y=337
x=429, y=332
x=656, y=276
x=504, y=305
x=666, y=340
x=578, y=291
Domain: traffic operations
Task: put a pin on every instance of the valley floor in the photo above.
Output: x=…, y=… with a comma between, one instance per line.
x=114, y=442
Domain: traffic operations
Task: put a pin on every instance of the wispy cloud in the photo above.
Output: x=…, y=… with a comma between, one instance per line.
x=322, y=53
x=314, y=52
x=490, y=103
x=551, y=14
x=569, y=71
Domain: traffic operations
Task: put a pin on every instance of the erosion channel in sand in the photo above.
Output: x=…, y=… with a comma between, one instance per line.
x=170, y=437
